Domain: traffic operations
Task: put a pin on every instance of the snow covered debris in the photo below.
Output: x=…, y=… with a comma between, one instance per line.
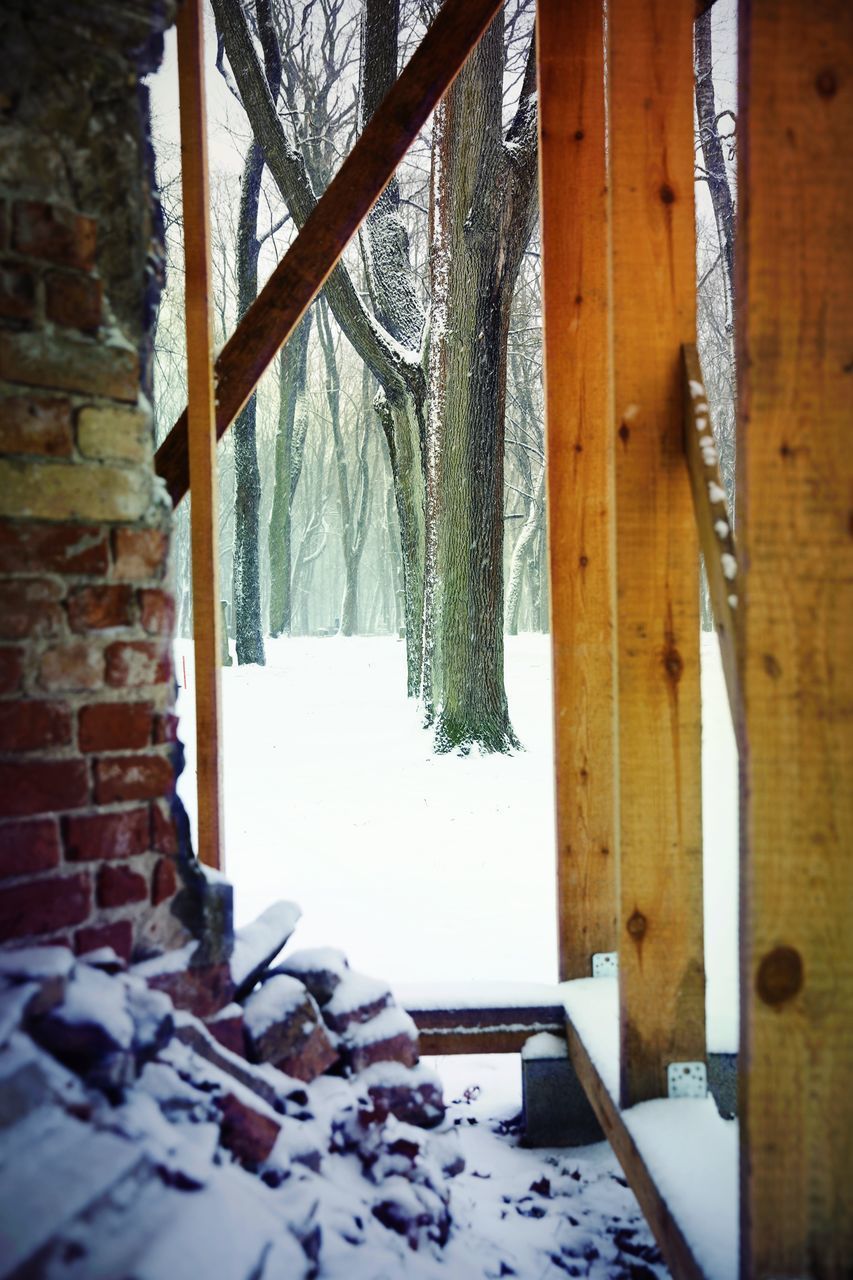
x=191, y=1161
x=257, y=944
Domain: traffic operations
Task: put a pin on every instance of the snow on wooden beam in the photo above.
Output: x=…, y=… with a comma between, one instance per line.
x=713, y=519
x=661, y=964
x=795, y=390
x=679, y=1155
x=579, y=416
x=348, y=199
x=199, y=430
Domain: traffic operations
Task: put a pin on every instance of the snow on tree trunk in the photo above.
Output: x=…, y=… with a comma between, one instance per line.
x=247, y=497
x=482, y=211
x=289, y=446
x=522, y=557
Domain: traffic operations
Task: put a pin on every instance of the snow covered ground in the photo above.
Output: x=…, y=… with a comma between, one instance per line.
x=423, y=867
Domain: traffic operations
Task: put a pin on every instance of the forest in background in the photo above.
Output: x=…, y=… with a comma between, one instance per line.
x=389, y=475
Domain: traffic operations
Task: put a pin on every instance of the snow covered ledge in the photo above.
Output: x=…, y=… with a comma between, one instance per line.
x=680, y=1156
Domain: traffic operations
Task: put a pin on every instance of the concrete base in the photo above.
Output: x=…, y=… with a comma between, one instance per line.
x=556, y=1112
x=722, y=1082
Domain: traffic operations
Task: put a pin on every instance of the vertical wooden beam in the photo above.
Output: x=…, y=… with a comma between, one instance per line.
x=661, y=965
x=578, y=403
x=201, y=428
x=795, y=376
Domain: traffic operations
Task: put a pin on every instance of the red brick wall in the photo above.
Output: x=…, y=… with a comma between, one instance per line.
x=87, y=842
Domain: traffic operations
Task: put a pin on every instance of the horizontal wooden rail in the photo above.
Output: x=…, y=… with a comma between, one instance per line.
x=716, y=536
x=494, y=1029
x=353, y=191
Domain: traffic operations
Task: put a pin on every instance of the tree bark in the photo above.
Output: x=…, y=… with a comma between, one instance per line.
x=712, y=149
x=247, y=476
x=484, y=204
x=289, y=447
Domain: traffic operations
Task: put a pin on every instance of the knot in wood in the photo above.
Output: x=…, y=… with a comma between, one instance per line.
x=673, y=664
x=780, y=975
x=667, y=194
x=826, y=83
x=637, y=925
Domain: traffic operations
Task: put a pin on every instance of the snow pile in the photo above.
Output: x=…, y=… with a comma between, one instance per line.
x=131, y=1143
x=430, y=869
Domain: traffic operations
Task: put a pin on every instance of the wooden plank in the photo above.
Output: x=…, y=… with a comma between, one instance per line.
x=201, y=429
x=661, y=964
x=353, y=191
x=487, y=1040
x=671, y=1240
x=537, y=1017
x=795, y=383
x=578, y=412
x=716, y=535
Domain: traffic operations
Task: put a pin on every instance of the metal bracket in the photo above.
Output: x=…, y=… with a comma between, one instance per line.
x=605, y=964
x=687, y=1080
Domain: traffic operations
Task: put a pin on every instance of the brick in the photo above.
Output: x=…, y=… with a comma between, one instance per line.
x=42, y=786
x=73, y=300
x=17, y=292
x=11, y=669
x=137, y=662
x=37, y=425
x=28, y=608
x=70, y=363
x=115, y=726
x=117, y=886
x=227, y=1029
x=164, y=881
x=158, y=612
x=114, y=432
x=43, y=906
x=54, y=232
x=165, y=728
x=99, y=607
x=164, y=835
x=53, y=548
x=248, y=1134
x=118, y=935
x=31, y=725
x=140, y=554
x=98, y=836
x=77, y=665
x=140, y=777
x=202, y=989
x=28, y=847
x=69, y=491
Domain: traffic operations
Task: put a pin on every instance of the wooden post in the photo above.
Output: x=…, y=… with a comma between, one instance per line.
x=661, y=965
x=578, y=402
x=795, y=382
x=201, y=429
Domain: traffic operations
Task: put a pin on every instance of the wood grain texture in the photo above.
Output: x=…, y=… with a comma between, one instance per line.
x=578, y=405
x=713, y=521
x=661, y=963
x=359, y=182
x=795, y=482
x=671, y=1240
x=486, y=1040
x=201, y=430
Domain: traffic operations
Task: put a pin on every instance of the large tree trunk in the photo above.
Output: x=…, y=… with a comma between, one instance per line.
x=247, y=495
x=483, y=208
x=289, y=447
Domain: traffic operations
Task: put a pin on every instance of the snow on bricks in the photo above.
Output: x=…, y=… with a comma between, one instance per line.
x=283, y=1025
